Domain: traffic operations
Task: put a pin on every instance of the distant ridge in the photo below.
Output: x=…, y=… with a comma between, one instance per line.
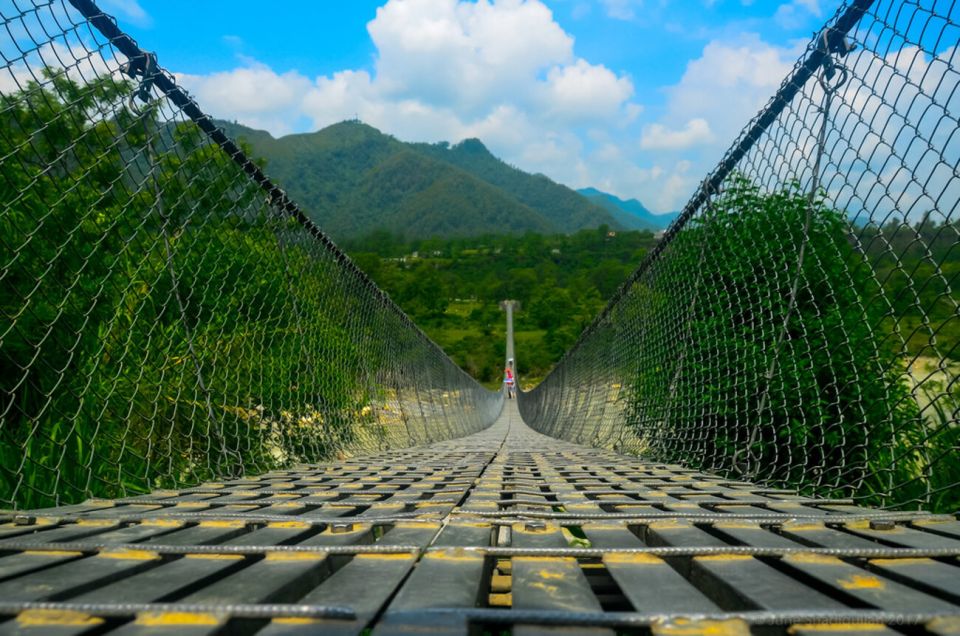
x=563, y=207
x=352, y=179
x=630, y=213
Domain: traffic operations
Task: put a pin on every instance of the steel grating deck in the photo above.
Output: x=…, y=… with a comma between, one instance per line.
x=503, y=531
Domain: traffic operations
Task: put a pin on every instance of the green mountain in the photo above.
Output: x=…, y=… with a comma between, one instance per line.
x=566, y=209
x=631, y=214
x=353, y=179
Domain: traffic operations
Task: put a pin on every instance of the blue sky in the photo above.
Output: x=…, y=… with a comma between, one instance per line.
x=635, y=97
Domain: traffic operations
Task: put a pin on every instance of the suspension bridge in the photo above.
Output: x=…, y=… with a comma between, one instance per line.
x=211, y=421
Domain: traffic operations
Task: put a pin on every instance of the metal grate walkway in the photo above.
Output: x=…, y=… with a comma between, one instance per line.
x=503, y=530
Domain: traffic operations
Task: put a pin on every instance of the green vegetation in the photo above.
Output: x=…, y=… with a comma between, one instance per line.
x=354, y=180
x=786, y=402
x=452, y=289
x=148, y=309
x=161, y=327
x=922, y=301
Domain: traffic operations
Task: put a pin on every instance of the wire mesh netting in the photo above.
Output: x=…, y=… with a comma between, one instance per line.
x=798, y=324
x=168, y=314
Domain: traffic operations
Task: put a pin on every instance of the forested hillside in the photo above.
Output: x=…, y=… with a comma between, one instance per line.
x=567, y=210
x=452, y=289
x=353, y=180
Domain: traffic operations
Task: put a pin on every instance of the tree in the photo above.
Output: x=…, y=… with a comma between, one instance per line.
x=161, y=324
x=774, y=367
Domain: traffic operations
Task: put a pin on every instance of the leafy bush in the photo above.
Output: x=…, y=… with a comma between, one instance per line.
x=772, y=366
x=159, y=326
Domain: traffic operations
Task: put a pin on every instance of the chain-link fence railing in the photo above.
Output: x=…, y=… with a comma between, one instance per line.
x=168, y=314
x=798, y=324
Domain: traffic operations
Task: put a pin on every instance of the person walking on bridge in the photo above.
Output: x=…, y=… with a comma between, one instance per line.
x=508, y=379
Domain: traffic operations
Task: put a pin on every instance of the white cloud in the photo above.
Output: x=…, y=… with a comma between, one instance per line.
x=659, y=137
x=463, y=54
x=127, y=10
x=620, y=9
x=794, y=14
x=255, y=95
x=897, y=123
x=506, y=72
x=586, y=91
x=79, y=63
x=501, y=70
x=728, y=84
x=716, y=96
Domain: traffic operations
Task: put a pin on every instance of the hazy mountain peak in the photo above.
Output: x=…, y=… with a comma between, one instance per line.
x=630, y=213
x=472, y=146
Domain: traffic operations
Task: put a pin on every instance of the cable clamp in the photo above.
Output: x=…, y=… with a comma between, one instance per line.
x=833, y=47
x=146, y=68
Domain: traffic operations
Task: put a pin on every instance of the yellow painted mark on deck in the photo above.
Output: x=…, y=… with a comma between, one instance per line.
x=129, y=555
x=812, y=559
x=215, y=557
x=168, y=619
x=295, y=556
x=394, y=556
x=295, y=620
x=944, y=625
x=289, y=525
x=223, y=523
x=103, y=503
x=861, y=582
x=53, y=553
x=637, y=558
x=795, y=526
x=724, y=557
x=907, y=561
x=456, y=554
x=96, y=523
x=51, y=618
x=684, y=627
x=836, y=627
x=161, y=523
x=500, y=582
x=501, y=600
x=549, y=589
x=552, y=574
